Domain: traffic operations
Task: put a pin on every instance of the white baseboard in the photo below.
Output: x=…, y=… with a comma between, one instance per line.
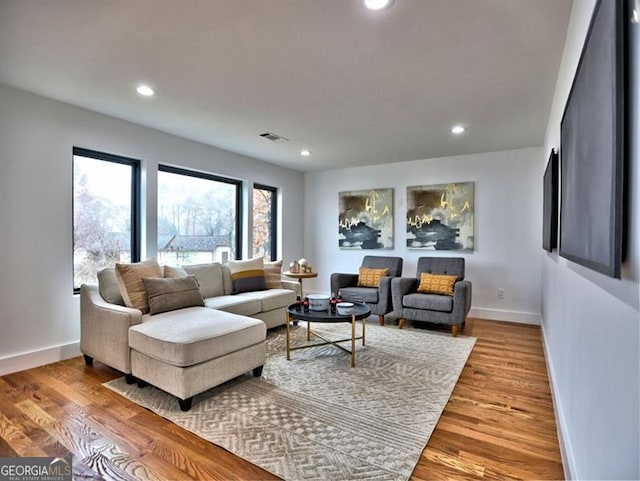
x=503, y=315
x=27, y=360
x=566, y=453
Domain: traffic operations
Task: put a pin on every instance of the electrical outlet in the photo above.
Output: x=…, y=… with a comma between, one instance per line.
x=500, y=293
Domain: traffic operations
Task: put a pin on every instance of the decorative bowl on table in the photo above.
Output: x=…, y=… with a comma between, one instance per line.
x=318, y=302
x=345, y=308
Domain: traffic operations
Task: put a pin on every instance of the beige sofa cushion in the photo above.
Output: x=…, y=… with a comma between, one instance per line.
x=174, y=271
x=209, y=277
x=234, y=304
x=193, y=335
x=270, y=299
x=130, y=281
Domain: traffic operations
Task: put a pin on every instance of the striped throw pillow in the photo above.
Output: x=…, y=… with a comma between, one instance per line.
x=247, y=276
x=130, y=281
x=273, y=275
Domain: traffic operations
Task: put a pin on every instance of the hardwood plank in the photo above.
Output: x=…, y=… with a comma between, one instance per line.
x=102, y=455
x=498, y=424
x=20, y=444
x=6, y=451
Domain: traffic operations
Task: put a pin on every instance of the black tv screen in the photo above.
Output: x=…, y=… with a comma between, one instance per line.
x=550, y=204
x=592, y=147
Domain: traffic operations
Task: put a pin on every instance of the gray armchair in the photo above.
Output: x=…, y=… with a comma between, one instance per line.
x=436, y=308
x=377, y=298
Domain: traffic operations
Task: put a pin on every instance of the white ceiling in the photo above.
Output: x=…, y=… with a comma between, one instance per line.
x=355, y=87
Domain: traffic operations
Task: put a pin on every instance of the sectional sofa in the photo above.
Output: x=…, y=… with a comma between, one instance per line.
x=203, y=334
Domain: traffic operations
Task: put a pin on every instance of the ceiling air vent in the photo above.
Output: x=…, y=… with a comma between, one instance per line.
x=274, y=137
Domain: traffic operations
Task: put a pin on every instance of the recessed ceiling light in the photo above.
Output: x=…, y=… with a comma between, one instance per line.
x=457, y=129
x=145, y=91
x=377, y=4
x=305, y=153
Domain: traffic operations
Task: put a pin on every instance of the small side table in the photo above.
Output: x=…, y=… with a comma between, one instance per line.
x=300, y=276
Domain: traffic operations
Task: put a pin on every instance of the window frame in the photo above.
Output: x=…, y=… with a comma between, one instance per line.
x=274, y=218
x=135, y=241
x=217, y=178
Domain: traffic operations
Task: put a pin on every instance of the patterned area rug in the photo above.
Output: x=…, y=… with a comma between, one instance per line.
x=314, y=417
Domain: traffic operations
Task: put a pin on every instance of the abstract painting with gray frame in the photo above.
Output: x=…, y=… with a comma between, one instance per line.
x=440, y=217
x=365, y=219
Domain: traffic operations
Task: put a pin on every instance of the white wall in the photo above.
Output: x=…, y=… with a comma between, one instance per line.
x=590, y=321
x=39, y=315
x=508, y=224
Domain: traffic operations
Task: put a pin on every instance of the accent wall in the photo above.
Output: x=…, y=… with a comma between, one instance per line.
x=508, y=225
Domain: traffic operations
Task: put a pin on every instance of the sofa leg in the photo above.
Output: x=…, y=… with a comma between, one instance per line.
x=454, y=331
x=130, y=378
x=401, y=323
x=185, y=404
x=142, y=384
x=88, y=360
x=257, y=372
x=381, y=320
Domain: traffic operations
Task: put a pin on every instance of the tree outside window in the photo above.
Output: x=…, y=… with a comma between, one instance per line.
x=197, y=217
x=105, y=213
x=264, y=222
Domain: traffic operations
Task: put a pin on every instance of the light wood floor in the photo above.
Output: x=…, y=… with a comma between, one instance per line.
x=498, y=424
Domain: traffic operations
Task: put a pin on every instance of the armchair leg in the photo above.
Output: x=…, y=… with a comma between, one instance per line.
x=401, y=323
x=454, y=331
x=381, y=320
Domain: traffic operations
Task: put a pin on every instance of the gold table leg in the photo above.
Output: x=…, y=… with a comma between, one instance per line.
x=364, y=325
x=353, y=340
x=288, y=337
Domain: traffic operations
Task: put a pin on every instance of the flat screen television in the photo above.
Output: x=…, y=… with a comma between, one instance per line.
x=550, y=204
x=592, y=135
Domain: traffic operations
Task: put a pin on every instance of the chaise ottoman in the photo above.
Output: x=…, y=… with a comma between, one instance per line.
x=188, y=351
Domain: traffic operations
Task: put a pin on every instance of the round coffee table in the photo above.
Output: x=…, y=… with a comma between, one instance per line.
x=360, y=312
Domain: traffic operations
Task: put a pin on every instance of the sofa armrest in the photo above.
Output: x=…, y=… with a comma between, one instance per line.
x=461, y=301
x=385, y=304
x=340, y=280
x=400, y=287
x=294, y=286
x=104, y=329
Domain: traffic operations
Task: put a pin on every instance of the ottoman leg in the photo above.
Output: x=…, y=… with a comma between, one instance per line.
x=88, y=360
x=185, y=404
x=142, y=383
x=129, y=378
x=257, y=372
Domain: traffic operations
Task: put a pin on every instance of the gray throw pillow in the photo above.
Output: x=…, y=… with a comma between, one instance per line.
x=172, y=293
x=108, y=286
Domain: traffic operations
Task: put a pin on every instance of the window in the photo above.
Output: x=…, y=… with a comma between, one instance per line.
x=105, y=213
x=198, y=219
x=265, y=210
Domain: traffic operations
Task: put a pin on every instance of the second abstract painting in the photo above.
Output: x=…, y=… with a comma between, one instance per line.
x=440, y=217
